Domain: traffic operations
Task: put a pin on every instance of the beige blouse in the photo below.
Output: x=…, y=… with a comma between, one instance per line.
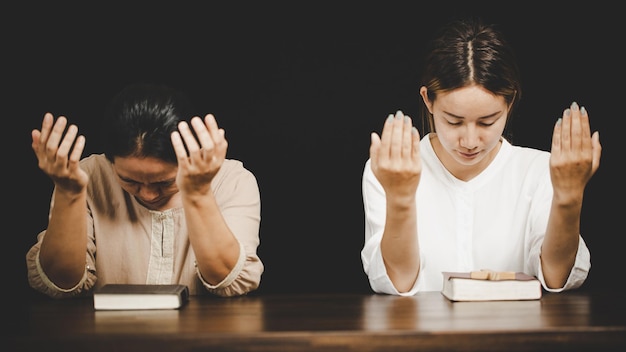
x=129, y=243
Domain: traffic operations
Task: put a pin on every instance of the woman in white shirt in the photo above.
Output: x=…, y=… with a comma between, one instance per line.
x=463, y=198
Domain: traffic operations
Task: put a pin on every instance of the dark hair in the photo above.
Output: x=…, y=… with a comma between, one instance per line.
x=140, y=119
x=466, y=52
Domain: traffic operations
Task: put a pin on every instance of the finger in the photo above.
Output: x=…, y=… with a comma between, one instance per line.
x=77, y=151
x=36, y=136
x=179, y=147
x=586, y=143
x=407, y=138
x=556, y=137
x=54, y=138
x=202, y=132
x=566, y=130
x=415, y=137
x=68, y=141
x=46, y=127
x=597, y=151
x=221, y=144
x=396, y=136
x=576, y=139
x=374, y=146
x=188, y=138
x=386, y=133
x=217, y=134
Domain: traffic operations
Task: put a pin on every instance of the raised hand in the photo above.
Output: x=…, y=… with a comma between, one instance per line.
x=395, y=156
x=575, y=154
x=199, y=159
x=58, y=153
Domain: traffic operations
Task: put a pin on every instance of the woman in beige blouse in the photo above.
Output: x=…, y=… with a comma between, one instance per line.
x=160, y=205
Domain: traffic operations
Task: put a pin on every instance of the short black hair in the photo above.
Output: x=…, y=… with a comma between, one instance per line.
x=140, y=119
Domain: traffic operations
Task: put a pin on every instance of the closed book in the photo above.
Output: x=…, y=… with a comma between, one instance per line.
x=137, y=296
x=486, y=285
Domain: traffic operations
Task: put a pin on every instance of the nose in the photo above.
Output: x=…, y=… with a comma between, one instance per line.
x=470, y=139
x=147, y=193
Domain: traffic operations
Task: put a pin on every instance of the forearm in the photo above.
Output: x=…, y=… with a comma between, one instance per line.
x=399, y=245
x=63, y=248
x=214, y=245
x=560, y=245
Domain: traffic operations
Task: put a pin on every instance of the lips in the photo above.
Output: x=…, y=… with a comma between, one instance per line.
x=469, y=155
x=150, y=204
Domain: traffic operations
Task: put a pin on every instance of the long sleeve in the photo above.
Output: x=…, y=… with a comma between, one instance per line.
x=131, y=244
x=495, y=221
x=238, y=196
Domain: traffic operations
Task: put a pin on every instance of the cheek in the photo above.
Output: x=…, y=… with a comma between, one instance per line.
x=133, y=190
x=493, y=135
x=168, y=191
x=449, y=144
x=493, y=141
x=447, y=136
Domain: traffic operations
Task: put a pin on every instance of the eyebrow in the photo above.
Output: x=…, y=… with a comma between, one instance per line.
x=126, y=179
x=497, y=113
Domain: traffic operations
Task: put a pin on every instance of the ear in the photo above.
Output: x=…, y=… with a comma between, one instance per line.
x=427, y=102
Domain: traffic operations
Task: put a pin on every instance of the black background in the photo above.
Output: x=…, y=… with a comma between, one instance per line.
x=298, y=87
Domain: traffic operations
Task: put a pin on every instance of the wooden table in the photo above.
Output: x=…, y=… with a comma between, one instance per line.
x=571, y=321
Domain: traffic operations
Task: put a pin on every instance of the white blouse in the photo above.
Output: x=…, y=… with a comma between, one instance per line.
x=495, y=221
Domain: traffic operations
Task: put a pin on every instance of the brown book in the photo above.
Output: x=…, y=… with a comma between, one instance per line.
x=136, y=297
x=488, y=285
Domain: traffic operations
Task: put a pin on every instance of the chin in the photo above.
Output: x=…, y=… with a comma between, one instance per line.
x=470, y=162
x=152, y=206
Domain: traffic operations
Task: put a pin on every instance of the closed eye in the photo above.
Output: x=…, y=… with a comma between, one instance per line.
x=459, y=123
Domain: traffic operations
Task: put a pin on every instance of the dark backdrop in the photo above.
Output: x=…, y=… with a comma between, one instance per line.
x=298, y=86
